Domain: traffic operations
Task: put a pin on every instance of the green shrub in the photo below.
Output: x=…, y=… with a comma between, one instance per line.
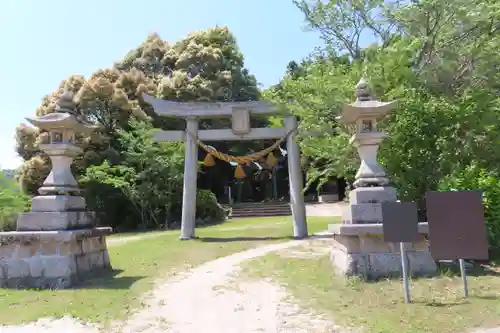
x=208, y=209
x=12, y=202
x=488, y=181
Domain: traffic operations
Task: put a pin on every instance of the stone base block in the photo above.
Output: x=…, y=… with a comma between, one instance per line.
x=365, y=204
x=375, y=194
x=57, y=203
x=48, y=221
x=360, y=250
x=328, y=198
x=51, y=259
x=362, y=213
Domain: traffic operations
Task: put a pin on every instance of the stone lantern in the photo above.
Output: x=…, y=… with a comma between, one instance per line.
x=62, y=127
x=56, y=244
x=358, y=243
x=364, y=114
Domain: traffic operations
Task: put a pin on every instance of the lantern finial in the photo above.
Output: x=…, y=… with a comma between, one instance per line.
x=363, y=92
x=65, y=103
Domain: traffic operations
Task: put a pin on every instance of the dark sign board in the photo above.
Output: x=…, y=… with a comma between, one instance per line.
x=456, y=225
x=400, y=222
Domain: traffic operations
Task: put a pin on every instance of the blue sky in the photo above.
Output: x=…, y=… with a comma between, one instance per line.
x=43, y=42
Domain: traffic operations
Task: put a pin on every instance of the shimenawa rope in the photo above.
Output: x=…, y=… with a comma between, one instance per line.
x=240, y=159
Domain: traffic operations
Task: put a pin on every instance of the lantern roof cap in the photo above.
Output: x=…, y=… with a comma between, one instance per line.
x=66, y=103
x=365, y=106
x=63, y=118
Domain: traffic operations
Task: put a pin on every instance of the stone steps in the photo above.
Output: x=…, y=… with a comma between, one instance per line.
x=261, y=209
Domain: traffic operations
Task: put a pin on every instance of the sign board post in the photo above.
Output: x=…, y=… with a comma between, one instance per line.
x=404, y=267
x=400, y=225
x=456, y=228
x=463, y=273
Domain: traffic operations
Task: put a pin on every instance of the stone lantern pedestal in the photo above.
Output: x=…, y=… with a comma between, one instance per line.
x=358, y=242
x=56, y=243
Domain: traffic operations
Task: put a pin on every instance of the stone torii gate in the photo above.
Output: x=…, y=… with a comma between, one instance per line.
x=239, y=112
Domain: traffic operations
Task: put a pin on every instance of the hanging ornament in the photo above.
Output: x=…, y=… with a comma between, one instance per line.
x=209, y=160
x=239, y=173
x=271, y=160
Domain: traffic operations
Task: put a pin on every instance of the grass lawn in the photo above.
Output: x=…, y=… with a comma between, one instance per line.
x=138, y=264
x=378, y=307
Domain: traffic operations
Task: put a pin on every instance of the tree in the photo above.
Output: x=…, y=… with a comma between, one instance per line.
x=102, y=100
x=148, y=178
x=316, y=99
x=12, y=202
x=343, y=23
x=454, y=41
x=205, y=66
x=8, y=173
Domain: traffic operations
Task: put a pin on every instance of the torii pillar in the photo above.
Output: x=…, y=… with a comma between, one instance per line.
x=190, y=181
x=295, y=180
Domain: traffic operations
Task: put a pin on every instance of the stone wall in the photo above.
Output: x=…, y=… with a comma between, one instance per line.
x=51, y=259
x=360, y=250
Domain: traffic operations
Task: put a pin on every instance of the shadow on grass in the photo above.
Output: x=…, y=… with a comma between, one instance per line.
x=239, y=239
x=442, y=305
x=487, y=297
x=106, y=279
x=465, y=301
x=477, y=269
x=494, y=257
x=449, y=269
x=97, y=279
x=320, y=236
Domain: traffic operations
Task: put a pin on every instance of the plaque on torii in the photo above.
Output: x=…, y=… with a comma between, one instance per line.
x=240, y=121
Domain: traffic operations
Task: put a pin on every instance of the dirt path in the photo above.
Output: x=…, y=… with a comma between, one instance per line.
x=67, y=324
x=195, y=302
x=325, y=209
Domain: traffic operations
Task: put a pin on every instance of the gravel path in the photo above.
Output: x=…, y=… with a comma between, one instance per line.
x=325, y=209
x=195, y=302
x=67, y=324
